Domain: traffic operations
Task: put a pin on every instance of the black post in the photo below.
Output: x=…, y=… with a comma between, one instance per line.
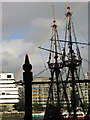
x=27, y=77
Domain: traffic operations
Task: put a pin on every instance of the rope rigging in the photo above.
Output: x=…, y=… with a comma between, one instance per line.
x=66, y=64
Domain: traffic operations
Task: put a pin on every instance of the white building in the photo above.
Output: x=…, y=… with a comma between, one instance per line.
x=8, y=91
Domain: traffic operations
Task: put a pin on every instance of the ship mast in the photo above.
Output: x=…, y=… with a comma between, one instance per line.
x=69, y=59
x=72, y=68
x=54, y=29
x=73, y=60
x=53, y=107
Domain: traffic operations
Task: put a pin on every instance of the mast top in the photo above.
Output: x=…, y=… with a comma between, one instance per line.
x=68, y=9
x=53, y=13
x=68, y=3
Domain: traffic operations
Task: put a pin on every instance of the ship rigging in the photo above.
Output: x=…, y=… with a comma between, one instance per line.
x=69, y=59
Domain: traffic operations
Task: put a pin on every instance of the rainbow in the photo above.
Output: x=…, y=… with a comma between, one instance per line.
x=42, y=41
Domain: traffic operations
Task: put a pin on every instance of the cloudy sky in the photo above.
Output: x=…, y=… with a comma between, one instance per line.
x=27, y=25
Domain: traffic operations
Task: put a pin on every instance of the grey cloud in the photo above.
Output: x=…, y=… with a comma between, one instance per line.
x=37, y=17
x=21, y=14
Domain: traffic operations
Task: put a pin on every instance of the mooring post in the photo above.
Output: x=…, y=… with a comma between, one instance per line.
x=27, y=78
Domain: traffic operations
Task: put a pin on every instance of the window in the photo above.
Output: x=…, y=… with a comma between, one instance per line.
x=3, y=93
x=8, y=76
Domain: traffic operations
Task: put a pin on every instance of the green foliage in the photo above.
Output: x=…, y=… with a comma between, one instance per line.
x=20, y=106
x=86, y=105
x=37, y=107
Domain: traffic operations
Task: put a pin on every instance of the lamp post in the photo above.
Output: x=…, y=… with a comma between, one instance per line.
x=27, y=78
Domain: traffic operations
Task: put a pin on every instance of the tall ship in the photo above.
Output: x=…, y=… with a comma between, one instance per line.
x=64, y=65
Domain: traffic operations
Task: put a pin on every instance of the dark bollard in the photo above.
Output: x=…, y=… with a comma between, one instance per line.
x=27, y=77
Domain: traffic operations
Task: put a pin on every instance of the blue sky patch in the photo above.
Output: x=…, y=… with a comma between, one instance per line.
x=16, y=33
